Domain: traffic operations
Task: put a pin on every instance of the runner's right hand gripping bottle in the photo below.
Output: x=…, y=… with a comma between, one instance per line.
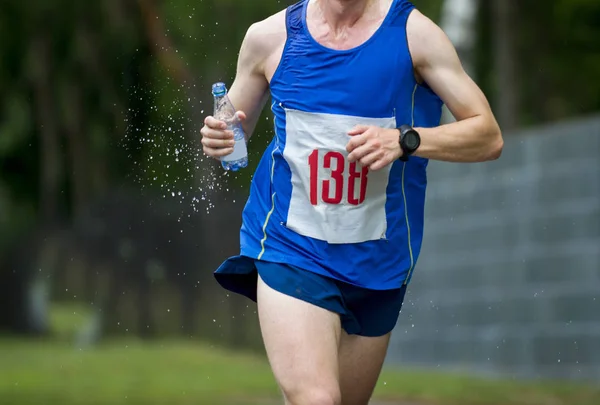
x=224, y=111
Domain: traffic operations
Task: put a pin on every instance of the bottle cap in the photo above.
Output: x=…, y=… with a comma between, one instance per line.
x=219, y=89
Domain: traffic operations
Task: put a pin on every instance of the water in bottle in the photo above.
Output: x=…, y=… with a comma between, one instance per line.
x=224, y=111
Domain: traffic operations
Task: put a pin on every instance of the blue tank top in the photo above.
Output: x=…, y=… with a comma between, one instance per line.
x=308, y=206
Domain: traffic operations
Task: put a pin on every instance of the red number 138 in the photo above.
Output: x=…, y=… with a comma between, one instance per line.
x=331, y=190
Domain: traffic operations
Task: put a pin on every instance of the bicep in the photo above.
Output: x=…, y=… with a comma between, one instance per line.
x=438, y=64
x=249, y=90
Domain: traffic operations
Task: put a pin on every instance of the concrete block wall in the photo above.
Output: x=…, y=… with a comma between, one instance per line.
x=508, y=281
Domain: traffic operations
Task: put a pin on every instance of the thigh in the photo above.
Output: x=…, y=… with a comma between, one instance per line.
x=360, y=360
x=302, y=342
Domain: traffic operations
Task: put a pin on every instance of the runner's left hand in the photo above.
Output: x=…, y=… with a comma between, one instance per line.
x=374, y=147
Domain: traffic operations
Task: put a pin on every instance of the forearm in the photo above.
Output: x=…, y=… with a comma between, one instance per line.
x=475, y=139
x=251, y=106
x=253, y=116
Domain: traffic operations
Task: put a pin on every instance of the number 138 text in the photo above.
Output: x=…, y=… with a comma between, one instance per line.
x=331, y=190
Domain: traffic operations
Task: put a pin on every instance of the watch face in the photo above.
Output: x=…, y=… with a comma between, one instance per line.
x=411, y=140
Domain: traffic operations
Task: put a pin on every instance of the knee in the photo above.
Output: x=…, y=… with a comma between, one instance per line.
x=314, y=396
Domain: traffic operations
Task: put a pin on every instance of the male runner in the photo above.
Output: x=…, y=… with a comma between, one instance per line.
x=333, y=225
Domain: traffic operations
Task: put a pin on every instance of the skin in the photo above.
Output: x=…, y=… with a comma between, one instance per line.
x=314, y=361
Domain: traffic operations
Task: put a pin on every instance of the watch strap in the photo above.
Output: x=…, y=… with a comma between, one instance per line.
x=403, y=129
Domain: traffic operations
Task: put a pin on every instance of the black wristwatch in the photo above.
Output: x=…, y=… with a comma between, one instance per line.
x=410, y=140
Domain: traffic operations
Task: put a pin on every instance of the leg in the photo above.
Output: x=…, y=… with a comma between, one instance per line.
x=302, y=341
x=360, y=359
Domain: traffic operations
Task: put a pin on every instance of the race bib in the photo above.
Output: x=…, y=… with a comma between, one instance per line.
x=332, y=199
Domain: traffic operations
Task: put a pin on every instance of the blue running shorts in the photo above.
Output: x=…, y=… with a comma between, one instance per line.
x=362, y=311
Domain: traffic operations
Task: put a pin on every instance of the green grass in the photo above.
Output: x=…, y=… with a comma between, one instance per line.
x=129, y=373
x=182, y=373
x=450, y=389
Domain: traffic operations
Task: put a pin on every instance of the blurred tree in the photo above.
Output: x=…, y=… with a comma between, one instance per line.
x=62, y=70
x=458, y=21
x=506, y=98
x=538, y=62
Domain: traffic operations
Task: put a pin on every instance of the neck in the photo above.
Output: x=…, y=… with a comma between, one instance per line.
x=343, y=13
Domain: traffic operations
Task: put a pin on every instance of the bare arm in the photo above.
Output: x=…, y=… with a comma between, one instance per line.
x=248, y=93
x=475, y=137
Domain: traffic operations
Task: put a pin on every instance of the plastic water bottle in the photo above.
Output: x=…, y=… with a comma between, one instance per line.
x=224, y=111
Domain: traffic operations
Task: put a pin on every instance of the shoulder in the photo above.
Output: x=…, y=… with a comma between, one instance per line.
x=263, y=38
x=427, y=42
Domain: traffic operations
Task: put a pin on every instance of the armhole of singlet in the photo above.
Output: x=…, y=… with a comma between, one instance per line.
x=412, y=62
x=288, y=34
x=416, y=84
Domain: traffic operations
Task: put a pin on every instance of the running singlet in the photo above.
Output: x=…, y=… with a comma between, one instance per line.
x=308, y=205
